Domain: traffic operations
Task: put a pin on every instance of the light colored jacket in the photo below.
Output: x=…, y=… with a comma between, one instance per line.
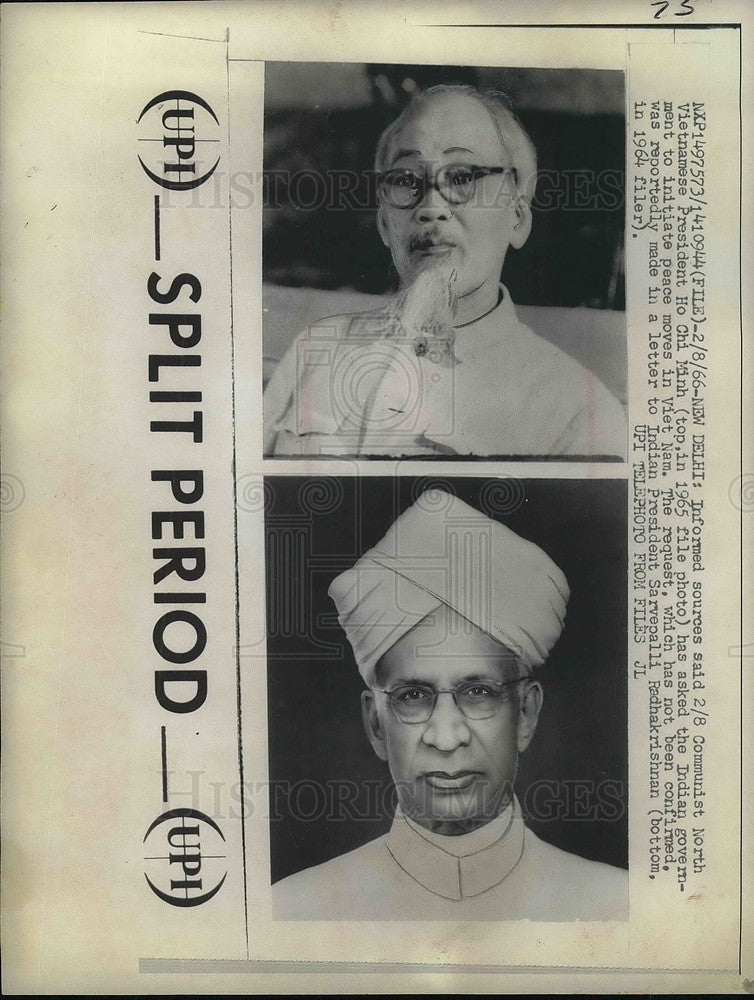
x=349, y=386
x=407, y=876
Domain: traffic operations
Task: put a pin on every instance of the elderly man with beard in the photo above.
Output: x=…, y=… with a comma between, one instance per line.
x=445, y=368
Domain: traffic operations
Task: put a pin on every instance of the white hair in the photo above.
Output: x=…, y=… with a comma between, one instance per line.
x=516, y=142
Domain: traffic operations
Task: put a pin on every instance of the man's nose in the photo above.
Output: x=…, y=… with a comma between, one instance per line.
x=447, y=727
x=433, y=206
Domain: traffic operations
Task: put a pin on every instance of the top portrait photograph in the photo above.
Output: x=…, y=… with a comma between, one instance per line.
x=443, y=263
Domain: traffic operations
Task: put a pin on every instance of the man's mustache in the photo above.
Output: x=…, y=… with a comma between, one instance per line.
x=428, y=238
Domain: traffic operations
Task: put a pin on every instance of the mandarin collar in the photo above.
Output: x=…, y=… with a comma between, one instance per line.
x=492, y=326
x=488, y=855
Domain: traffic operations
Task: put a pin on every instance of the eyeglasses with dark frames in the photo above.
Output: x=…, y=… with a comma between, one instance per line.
x=406, y=187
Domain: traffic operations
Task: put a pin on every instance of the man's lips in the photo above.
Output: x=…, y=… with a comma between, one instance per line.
x=455, y=781
x=432, y=245
x=436, y=250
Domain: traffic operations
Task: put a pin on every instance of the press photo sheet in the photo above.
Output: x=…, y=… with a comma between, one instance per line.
x=375, y=498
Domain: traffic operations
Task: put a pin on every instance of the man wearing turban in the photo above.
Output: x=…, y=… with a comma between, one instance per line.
x=449, y=616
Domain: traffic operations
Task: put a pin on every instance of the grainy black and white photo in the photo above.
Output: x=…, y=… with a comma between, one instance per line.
x=443, y=262
x=375, y=498
x=447, y=698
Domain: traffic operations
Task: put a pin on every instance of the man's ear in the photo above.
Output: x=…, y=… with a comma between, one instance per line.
x=528, y=714
x=382, y=225
x=372, y=725
x=522, y=226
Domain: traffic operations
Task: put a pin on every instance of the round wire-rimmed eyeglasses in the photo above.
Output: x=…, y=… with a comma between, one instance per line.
x=415, y=703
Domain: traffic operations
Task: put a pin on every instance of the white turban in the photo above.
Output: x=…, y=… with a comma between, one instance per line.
x=442, y=551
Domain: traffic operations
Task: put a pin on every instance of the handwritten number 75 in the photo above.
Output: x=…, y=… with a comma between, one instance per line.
x=685, y=8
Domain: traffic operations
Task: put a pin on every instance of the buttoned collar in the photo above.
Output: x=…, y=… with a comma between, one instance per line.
x=459, y=867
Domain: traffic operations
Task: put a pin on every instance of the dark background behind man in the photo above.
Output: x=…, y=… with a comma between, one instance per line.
x=318, y=751
x=322, y=122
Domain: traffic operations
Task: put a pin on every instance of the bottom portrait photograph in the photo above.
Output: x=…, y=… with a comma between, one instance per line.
x=447, y=698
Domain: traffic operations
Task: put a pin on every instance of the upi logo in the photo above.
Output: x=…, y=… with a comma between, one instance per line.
x=178, y=135
x=185, y=856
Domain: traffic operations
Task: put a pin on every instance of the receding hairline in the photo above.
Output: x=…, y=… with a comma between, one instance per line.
x=513, y=137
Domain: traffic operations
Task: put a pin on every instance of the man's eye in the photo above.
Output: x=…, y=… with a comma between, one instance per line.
x=413, y=694
x=461, y=176
x=406, y=180
x=480, y=691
